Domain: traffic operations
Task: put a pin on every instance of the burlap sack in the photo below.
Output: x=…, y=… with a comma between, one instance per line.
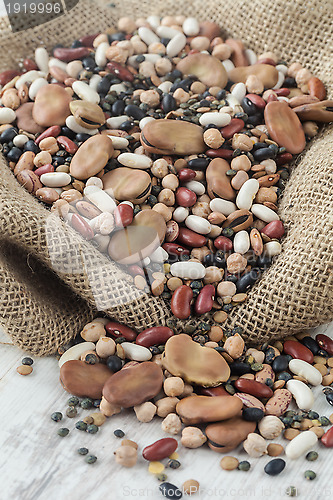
x=41, y=311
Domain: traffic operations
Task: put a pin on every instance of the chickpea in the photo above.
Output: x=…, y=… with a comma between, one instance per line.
x=71, y=195
x=216, y=218
x=302, y=77
x=293, y=69
x=198, y=87
x=49, y=144
x=150, y=97
x=138, y=45
x=171, y=424
x=126, y=24
x=200, y=253
x=213, y=275
x=163, y=66
x=200, y=43
x=242, y=142
x=181, y=96
x=236, y=263
x=117, y=54
x=105, y=347
x=201, y=209
x=166, y=405
x=268, y=55
x=213, y=138
x=254, y=85
x=165, y=211
x=160, y=168
x=226, y=289
x=170, y=181
x=310, y=128
x=173, y=386
x=126, y=456
x=167, y=197
x=145, y=412
x=108, y=409
x=222, y=51
x=147, y=69
x=192, y=437
x=156, y=48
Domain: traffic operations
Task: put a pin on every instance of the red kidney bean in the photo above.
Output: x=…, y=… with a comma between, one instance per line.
x=68, y=55
x=257, y=100
x=298, y=351
x=325, y=343
x=254, y=388
x=87, y=40
x=327, y=438
x=45, y=169
x=283, y=158
x=212, y=391
x=118, y=330
x=284, y=92
x=226, y=154
x=119, y=70
x=135, y=269
x=82, y=227
x=162, y=448
x=69, y=81
x=29, y=64
x=155, y=335
x=123, y=215
x=193, y=51
x=223, y=243
x=181, y=302
x=274, y=229
x=272, y=97
x=185, y=197
x=8, y=75
x=317, y=88
x=175, y=249
x=266, y=60
x=235, y=126
x=190, y=238
x=186, y=174
x=205, y=299
x=67, y=144
x=53, y=131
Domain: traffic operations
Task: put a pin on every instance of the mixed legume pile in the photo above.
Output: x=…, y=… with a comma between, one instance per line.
x=168, y=147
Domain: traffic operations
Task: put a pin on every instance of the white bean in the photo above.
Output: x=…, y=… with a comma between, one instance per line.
x=225, y=207
x=232, y=101
x=304, y=369
x=218, y=119
x=136, y=352
x=301, y=393
x=180, y=214
x=145, y=120
x=241, y=242
x=251, y=56
x=19, y=140
x=42, y=59
x=159, y=255
x=73, y=68
x=166, y=32
x=7, y=115
x=75, y=352
x=118, y=88
x=228, y=65
x=165, y=86
x=116, y=121
x=147, y=35
x=239, y=91
x=247, y=194
x=264, y=213
x=188, y=270
x=56, y=62
x=55, y=179
x=154, y=21
x=301, y=444
x=100, y=54
x=100, y=199
x=85, y=92
x=133, y=160
x=195, y=186
x=198, y=224
x=282, y=68
x=35, y=86
x=272, y=248
x=29, y=76
x=94, y=81
x=176, y=44
x=280, y=81
x=118, y=142
x=73, y=125
x=191, y=26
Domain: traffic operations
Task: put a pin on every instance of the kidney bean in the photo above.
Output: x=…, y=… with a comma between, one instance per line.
x=283, y=159
x=185, y=197
x=274, y=229
x=181, y=302
x=235, y=126
x=123, y=215
x=119, y=70
x=212, y=391
x=155, y=335
x=325, y=343
x=255, y=388
x=118, y=330
x=186, y=174
x=205, y=299
x=45, y=169
x=162, y=448
x=135, y=269
x=268, y=180
x=298, y=351
x=68, y=55
x=87, y=40
x=53, y=131
x=67, y=144
x=257, y=100
x=8, y=75
x=327, y=438
x=272, y=97
x=175, y=249
x=284, y=92
x=29, y=64
x=266, y=60
x=190, y=238
x=82, y=227
x=317, y=88
x=226, y=154
x=223, y=243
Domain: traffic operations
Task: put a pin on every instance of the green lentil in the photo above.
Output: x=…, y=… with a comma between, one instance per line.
x=87, y=403
x=244, y=465
x=313, y=415
x=63, y=431
x=173, y=464
x=81, y=426
x=312, y=456
x=119, y=433
x=310, y=475
x=56, y=416
x=82, y=451
x=71, y=412
x=324, y=421
x=162, y=477
x=316, y=423
x=27, y=361
x=92, y=429
x=291, y=491
x=90, y=459
x=256, y=367
x=73, y=401
x=229, y=388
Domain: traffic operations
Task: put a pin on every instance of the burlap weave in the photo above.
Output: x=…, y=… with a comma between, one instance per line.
x=53, y=281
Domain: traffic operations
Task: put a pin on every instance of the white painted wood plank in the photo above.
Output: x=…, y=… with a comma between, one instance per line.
x=36, y=464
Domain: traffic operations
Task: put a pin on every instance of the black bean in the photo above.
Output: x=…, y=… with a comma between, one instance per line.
x=284, y=376
x=31, y=146
x=249, y=107
x=254, y=120
x=280, y=364
x=76, y=44
x=168, y=103
x=275, y=466
x=246, y=281
x=263, y=261
x=104, y=84
x=240, y=368
x=114, y=363
x=81, y=137
x=8, y=135
x=311, y=344
x=134, y=112
x=253, y=414
x=165, y=41
x=14, y=154
x=118, y=108
x=170, y=491
x=264, y=154
x=89, y=63
x=199, y=163
x=289, y=82
x=117, y=37
x=126, y=125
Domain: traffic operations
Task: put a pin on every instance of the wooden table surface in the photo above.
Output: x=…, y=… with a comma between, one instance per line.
x=37, y=464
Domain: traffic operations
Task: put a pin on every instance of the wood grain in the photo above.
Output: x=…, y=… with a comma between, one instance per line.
x=37, y=464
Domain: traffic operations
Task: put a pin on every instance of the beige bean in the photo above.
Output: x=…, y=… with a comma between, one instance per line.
x=105, y=347
x=108, y=409
x=166, y=405
x=49, y=144
x=170, y=181
x=42, y=158
x=167, y=197
x=93, y=331
x=145, y=412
